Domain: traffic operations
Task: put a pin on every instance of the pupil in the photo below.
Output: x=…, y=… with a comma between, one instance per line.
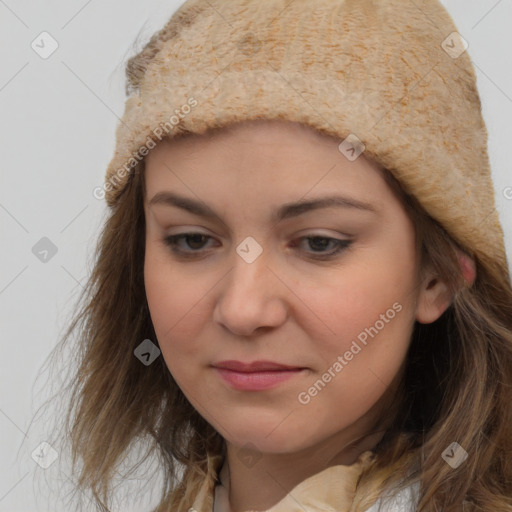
x=195, y=238
x=321, y=245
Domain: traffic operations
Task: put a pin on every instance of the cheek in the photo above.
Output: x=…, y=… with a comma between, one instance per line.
x=170, y=295
x=351, y=301
x=362, y=358
x=367, y=317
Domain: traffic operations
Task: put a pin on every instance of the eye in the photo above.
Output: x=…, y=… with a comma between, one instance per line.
x=193, y=240
x=195, y=243
x=319, y=243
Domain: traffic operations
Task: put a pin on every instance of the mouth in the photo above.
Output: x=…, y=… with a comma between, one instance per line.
x=255, y=366
x=257, y=375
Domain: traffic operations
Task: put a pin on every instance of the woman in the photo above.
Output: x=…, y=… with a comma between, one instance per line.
x=270, y=373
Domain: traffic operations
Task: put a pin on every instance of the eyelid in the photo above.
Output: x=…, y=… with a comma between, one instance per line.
x=341, y=245
x=310, y=232
x=328, y=233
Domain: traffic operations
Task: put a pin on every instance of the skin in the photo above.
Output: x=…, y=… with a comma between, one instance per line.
x=285, y=306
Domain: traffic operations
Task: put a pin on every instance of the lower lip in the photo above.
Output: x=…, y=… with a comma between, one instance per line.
x=255, y=381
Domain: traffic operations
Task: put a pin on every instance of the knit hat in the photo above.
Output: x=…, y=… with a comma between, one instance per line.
x=387, y=77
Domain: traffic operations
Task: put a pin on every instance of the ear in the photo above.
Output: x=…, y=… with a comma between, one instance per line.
x=434, y=297
x=468, y=267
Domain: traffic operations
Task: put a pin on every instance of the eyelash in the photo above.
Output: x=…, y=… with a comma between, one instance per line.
x=171, y=241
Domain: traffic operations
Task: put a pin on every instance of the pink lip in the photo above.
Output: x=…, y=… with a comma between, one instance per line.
x=254, y=366
x=255, y=376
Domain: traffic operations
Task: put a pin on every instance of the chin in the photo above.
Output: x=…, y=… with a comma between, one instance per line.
x=263, y=436
x=260, y=443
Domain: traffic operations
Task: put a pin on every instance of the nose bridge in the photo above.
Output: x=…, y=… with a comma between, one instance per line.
x=250, y=272
x=251, y=295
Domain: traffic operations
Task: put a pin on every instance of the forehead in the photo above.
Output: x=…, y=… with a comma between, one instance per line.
x=271, y=158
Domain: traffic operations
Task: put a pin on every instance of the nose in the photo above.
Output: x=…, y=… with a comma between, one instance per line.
x=251, y=297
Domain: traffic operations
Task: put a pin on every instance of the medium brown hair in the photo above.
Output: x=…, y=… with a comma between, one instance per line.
x=457, y=384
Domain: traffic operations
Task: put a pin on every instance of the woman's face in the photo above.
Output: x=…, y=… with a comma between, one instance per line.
x=248, y=286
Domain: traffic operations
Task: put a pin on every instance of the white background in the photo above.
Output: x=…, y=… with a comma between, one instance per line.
x=57, y=129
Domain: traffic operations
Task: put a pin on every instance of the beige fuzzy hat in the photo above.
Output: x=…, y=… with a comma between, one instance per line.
x=387, y=77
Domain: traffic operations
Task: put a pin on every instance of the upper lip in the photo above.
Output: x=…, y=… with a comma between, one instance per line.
x=253, y=366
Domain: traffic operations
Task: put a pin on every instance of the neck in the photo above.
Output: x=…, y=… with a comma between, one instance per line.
x=270, y=476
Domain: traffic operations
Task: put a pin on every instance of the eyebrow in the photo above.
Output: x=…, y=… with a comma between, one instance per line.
x=286, y=211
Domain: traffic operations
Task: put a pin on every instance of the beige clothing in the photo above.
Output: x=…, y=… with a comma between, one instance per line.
x=331, y=490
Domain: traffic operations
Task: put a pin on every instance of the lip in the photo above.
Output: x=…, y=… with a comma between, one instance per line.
x=254, y=366
x=256, y=376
